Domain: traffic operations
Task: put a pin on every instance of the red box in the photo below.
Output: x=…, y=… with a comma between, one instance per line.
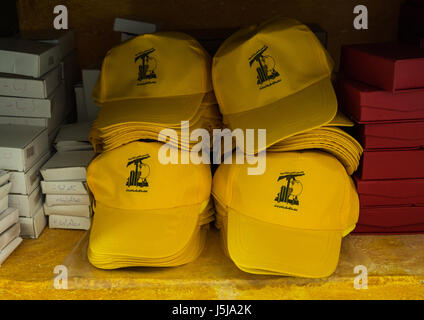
x=390, y=220
x=369, y=104
x=391, y=135
x=392, y=164
x=389, y=66
x=390, y=192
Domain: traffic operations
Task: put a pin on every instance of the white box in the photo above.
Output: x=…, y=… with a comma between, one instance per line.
x=126, y=36
x=21, y=146
x=7, y=251
x=20, y=86
x=4, y=177
x=65, y=222
x=4, y=203
x=80, y=102
x=8, y=235
x=67, y=165
x=32, y=227
x=67, y=199
x=134, y=26
x=74, y=132
x=64, y=187
x=8, y=218
x=27, y=182
x=28, y=205
x=30, y=107
x=89, y=78
x=77, y=210
x=28, y=58
x=65, y=39
x=5, y=189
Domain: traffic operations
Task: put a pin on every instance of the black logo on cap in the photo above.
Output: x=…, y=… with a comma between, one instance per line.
x=137, y=181
x=265, y=68
x=288, y=197
x=146, y=70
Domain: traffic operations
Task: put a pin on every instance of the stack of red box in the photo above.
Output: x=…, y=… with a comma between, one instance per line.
x=383, y=91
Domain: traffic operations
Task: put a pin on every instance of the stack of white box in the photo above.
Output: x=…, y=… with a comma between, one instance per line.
x=23, y=150
x=9, y=220
x=36, y=80
x=67, y=199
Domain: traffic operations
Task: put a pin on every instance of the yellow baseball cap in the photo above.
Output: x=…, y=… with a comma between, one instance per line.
x=160, y=77
x=291, y=219
x=145, y=212
x=274, y=76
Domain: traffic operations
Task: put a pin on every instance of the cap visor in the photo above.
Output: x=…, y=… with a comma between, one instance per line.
x=166, y=111
x=308, y=109
x=144, y=234
x=257, y=245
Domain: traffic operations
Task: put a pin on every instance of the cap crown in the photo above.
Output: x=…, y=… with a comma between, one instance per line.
x=262, y=64
x=306, y=190
x=155, y=65
x=132, y=178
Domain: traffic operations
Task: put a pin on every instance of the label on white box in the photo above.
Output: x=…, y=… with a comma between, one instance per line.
x=66, y=199
x=63, y=187
x=65, y=222
x=70, y=210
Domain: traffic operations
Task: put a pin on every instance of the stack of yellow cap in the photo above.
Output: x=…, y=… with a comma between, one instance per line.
x=291, y=219
x=151, y=83
x=277, y=76
x=147, y=213
x=328, y=138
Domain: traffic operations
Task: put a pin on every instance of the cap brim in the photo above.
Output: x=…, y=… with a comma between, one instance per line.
x=310, y=108
x=269, y=248
x=143, y=234
x=165, y=111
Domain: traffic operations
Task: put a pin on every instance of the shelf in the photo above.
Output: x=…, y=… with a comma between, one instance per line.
x=395, y=271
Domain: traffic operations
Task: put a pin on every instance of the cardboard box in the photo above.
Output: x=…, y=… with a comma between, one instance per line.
x=74, y=137
x=80, y=102
x=391, y=135
x=391, y=220
x=134, y=26
x=4, y=177
x=399, y=192
x=8, y=218
x=89, y=78
x=392, y=164
x=65, y=39
x=7, y=251
x=21, y=146
x=28, y=58
x=65, y=222
x=20, y=86
x=64, y=187
x=27, y=182
x=28, y=205
x=389, y=66
x=8, y=235
x=369, y=104
x=4, y=189
x=4, y=203
x=76, y=210
x=67, y=199
x=34, y=226
x=67, y=165
x=30, y=107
